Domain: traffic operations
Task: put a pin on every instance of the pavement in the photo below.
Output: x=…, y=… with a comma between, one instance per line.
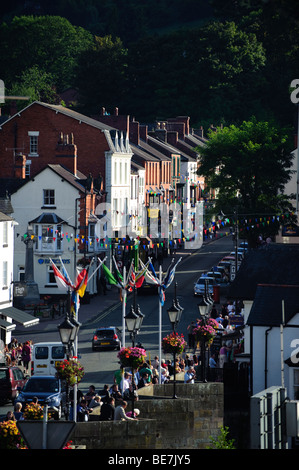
x=102, y=303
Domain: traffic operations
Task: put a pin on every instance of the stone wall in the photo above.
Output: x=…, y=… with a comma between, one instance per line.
x=187, y=422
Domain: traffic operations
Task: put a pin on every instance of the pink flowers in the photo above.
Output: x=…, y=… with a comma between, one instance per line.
x=132, y=357
x=173, y=343
x=206, y=332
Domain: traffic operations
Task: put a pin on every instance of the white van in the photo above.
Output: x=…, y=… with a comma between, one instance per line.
x=45, y=356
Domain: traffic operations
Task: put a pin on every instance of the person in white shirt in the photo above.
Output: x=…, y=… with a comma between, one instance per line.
x=189, y=375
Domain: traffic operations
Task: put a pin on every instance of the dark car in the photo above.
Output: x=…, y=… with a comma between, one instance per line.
x=48, y=389
x=106, y=337
x=12, y=380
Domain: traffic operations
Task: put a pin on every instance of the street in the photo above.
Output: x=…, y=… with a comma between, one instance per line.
x=100, y=366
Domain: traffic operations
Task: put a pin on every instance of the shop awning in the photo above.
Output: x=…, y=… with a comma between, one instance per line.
x=6, y=325
x=19, y=316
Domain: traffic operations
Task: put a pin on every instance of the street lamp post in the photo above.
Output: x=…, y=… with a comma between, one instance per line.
x=174, y=315
x=203, y=308
x=68, y=331
x=134, y=319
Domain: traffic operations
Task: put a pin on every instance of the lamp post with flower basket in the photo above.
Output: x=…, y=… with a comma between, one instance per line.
x=132, y=357
x=204, y=332
x=69, y=370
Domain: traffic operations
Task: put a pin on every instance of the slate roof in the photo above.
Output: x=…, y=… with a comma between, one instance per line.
x=267, y=309
x=67, y=112
x=277, y=264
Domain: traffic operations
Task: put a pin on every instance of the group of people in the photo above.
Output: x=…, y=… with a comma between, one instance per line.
x=109, y=404
x=18, y=354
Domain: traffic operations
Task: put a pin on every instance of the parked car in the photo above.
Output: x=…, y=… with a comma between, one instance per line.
x=106, y=337
x=243, y=245
x=239, y=254
x=199, y=285
x=216, y=275
x=48, y=389
x=12, y=380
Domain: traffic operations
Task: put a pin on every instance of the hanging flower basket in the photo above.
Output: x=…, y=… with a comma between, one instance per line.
x=206, y=332
x=173, y=344
x=70, y=370
x=10, y=437
x=131, y=357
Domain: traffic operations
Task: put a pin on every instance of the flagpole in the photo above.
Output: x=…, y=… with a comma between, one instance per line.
x=124, y=309
x=160, y=326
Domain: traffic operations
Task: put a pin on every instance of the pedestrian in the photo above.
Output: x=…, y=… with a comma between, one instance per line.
x=120, y=414
x=191, y=337
x=90, y=394
x=115, y=393
x=212, y=361
x=124, y=384
x=26, y=355
x=18, y=412
x=189, y=375
x=108, y=410
x=104, y=393
x=146, y=368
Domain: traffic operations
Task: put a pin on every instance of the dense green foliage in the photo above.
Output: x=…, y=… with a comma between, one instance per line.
x=214, y=60
x=253, y=163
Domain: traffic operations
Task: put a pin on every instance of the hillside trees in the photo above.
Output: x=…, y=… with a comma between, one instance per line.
x=249, y=166
x=50, y=43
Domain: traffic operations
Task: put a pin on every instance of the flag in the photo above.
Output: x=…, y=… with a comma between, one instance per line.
x=118, y=274
x=109, y=276
x=169, y=277
x=60, y=279
x=131, y=278
x=75, y=303
x=140, y=276
x=150, y=274
x=65, y=273
x=161, y=295
x=81, y=282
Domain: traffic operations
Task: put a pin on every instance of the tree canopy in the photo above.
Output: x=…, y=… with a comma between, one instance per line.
x=248, y=166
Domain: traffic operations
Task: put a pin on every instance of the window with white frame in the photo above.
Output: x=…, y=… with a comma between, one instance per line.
x=4, y=274
x=50, y=276
x=33, y=143
x=48, y=238
x=115, y=212
x=5, y=233
x=49, y=197
x=115, y=173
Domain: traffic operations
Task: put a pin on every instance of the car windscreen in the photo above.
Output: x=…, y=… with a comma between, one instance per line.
x=58, y=352
x=40, y=385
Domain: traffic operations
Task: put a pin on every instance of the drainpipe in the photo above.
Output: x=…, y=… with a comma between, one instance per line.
x=266, y=355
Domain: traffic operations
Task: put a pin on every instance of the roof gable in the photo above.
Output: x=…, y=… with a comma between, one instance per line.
x=277, y=264
x=267, y=306
x=67, y=112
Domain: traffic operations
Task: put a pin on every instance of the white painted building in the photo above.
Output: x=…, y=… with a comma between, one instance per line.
x=8, y=314
x=49, y=202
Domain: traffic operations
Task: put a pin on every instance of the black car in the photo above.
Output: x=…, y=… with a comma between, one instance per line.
x=106, y=337
x=48, y=389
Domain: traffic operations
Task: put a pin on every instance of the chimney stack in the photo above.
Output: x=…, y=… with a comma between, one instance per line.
x=66, y=152
x=20, y=166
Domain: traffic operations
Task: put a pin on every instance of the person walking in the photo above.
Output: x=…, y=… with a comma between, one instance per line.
x=26, y=355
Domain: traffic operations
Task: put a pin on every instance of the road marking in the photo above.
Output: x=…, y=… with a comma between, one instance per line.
x=191, y=272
